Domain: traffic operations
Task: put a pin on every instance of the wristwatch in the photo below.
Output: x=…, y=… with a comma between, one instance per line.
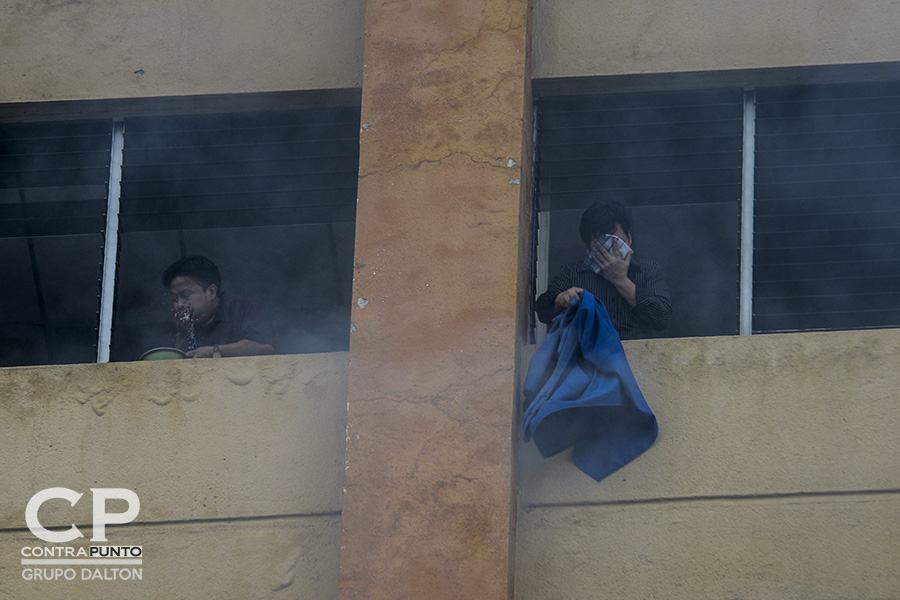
x=216, y=353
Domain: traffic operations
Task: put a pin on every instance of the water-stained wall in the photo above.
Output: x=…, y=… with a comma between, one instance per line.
x=440, y=292
x=237, y=464
x=774, y=476
x=124, y=49
x=774, y=472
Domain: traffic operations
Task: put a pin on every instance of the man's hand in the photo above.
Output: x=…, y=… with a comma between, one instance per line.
x=616, y=269
x=201, y=352
x=184, y=320
x=613, y=265
x=564, y=299
x=243, y=347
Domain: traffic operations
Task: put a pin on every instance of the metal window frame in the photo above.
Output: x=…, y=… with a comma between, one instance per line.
x=747, y=197
x=111, y=242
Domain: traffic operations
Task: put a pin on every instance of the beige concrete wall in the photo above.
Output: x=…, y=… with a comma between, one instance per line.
x=440, y=242
x=237, y=463
x=774, y=476
x=131, y=49
x=603, y=37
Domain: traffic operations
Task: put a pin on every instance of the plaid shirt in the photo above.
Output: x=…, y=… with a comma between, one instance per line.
x=653, y=308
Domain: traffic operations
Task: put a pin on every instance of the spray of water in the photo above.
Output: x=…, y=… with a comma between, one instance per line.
x=187, y=326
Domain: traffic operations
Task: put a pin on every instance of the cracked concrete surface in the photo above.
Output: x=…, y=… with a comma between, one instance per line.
x=427, y=510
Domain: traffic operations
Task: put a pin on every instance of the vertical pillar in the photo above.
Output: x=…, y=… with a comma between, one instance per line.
x=440, y=285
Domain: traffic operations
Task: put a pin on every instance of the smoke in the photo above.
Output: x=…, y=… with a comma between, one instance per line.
x=51, y=175
x=270, y=196
x=826, y=226
x=305, y=290
x=674, y=159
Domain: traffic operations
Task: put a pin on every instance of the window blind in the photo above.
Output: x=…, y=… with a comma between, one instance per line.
x=675, y=159
x=827, y=211
x=53, y=197
x=240, y=170
x=268, y=196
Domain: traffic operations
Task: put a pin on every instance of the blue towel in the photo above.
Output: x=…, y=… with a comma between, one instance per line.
x=580, y=391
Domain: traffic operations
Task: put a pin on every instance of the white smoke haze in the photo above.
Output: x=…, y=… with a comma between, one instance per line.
x=305, y=290
x=827, y=217
x=266, y=198
x=674, y=160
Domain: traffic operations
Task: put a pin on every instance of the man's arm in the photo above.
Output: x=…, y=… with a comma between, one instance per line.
x=254, y=328
x=243, y=347
x=648, y=297
x=547, y=304
x=654, y=306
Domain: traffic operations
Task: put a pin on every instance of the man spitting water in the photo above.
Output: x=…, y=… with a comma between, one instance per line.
x=210, y=323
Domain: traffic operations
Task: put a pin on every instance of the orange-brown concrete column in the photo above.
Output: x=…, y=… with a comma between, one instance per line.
x=440, y=286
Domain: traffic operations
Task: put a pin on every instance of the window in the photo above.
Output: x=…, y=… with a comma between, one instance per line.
x=827, y=207
x=270, y=196
x=803, y=176
x=53, y=189
x=675, y=159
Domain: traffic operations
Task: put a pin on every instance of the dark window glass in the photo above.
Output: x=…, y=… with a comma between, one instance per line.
x=675, y=159
x=53, y=190
x=269, y=197
x=827, y=222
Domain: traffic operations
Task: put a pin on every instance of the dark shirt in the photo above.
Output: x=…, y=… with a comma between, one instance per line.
x=236, y=319
x=651, y=312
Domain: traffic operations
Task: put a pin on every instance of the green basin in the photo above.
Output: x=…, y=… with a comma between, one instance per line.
x=162, y=354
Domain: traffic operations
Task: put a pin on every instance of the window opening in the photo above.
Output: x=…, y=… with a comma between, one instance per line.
x=53, y=189
x=269, y=197
x=771, y=210
x=675, y=158
x=92, y=212
x=827, y=209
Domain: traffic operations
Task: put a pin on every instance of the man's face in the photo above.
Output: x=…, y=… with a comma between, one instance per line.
x=189, y=297
x=619, y=233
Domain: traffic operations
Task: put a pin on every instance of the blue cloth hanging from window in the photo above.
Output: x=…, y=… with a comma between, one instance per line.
x=580, y=391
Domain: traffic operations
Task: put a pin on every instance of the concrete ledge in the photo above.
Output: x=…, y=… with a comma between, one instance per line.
x=822, y=548
x=236, y=437
x=753, y=415
x=289, y=558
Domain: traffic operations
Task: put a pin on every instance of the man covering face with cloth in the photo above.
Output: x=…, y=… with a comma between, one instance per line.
x=633, y=290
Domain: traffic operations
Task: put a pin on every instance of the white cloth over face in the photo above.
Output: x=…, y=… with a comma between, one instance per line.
x=609, y=242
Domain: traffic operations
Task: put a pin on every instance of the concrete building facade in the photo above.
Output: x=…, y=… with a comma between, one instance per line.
x=396, y=470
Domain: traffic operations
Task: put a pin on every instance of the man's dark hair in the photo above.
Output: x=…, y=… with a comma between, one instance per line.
x=601, y=217
x=199, y=268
